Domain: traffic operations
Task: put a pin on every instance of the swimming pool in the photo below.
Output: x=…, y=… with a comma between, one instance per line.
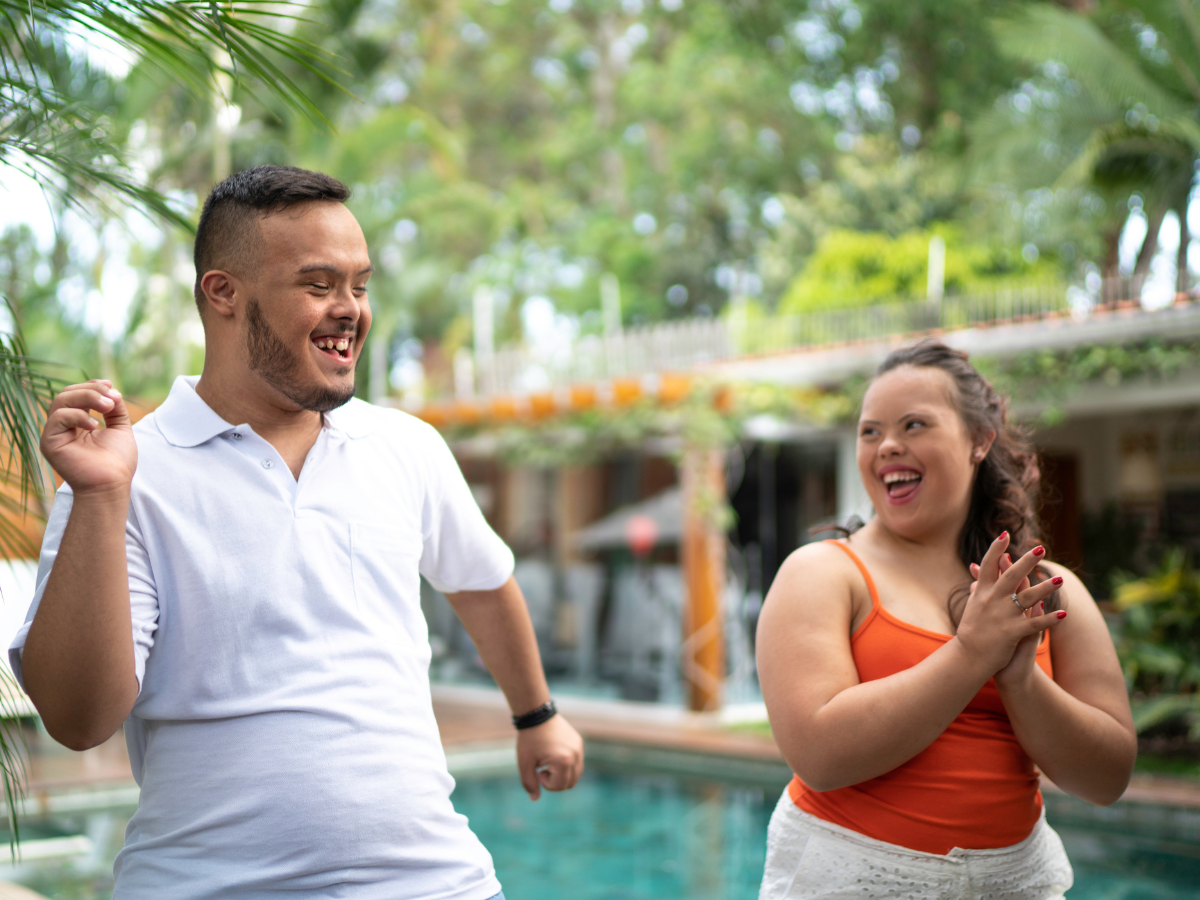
x=634, y=836
x=625, y=834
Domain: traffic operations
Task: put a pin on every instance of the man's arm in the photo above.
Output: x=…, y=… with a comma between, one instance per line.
x=549, y=755
x=78, y=659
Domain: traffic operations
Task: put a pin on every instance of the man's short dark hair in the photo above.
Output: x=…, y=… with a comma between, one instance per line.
x=228, y=236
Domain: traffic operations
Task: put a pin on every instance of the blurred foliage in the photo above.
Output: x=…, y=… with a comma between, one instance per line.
x=1114, y=545
x=696, y=151
x=1111, y=106
x=794, y=151
x=709, y=415
x=50, y=126
x=1048, y=377
x=863, y=268
x=1158, y=642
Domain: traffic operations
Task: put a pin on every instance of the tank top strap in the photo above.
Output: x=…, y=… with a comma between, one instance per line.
x=862, y=568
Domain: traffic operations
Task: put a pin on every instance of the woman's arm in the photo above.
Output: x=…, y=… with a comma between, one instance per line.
x=1077, y=726
x=834, y=730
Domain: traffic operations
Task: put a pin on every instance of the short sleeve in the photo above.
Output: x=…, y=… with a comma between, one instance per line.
x=143, y=596
x=460, y=550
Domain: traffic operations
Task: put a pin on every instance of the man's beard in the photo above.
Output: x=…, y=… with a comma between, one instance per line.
x=279, y=367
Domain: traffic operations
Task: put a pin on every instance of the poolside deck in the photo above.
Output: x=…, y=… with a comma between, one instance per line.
x=476, y=719
x=474, y=716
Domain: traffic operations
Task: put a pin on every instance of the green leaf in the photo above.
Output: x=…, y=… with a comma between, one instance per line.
x=1163, y=708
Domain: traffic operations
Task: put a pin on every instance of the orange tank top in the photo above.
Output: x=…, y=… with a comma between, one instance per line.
x=974, y=787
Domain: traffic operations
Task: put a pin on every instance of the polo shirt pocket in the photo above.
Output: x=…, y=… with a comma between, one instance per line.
x=384, y=562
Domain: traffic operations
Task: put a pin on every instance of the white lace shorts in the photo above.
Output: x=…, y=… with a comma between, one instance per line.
x=810, y=858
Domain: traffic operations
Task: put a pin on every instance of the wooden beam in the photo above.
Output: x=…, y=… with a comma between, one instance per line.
x=704, y=577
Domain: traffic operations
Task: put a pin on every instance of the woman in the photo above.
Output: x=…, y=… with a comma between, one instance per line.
x=913, y=704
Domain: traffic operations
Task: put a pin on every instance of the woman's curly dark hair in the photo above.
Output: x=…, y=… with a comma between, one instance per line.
x=1004, y=496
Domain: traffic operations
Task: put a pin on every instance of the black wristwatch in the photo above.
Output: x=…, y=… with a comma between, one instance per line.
x=535, y=717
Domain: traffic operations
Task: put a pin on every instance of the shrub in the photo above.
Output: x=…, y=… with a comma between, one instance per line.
x=1158, y=643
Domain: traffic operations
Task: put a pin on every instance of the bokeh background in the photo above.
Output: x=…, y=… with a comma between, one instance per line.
x=635, y=259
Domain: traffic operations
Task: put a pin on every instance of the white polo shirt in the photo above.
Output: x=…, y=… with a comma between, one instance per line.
x=283, y=735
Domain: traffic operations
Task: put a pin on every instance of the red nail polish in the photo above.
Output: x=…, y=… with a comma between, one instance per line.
x=1061, y=614
x=1039, y=551
x=1057, y=579
x=1003, y=535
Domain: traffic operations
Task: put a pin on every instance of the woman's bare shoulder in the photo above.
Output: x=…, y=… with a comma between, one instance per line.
x=1073, y=587
x=819, y=568
x=811, y=606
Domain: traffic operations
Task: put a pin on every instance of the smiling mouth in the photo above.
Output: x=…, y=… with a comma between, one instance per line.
x=901, y=484
x=337, y=346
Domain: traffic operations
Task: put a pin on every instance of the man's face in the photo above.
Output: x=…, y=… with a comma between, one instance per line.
x=308, y=315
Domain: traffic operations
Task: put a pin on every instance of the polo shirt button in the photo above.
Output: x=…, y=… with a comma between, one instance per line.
x=237, y=436
x=267, y=463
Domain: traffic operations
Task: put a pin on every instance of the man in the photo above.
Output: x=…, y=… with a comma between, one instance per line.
x=236, y=579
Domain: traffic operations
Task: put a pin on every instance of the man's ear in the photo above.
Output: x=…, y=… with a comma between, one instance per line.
x=982, y=444
x=220, y=291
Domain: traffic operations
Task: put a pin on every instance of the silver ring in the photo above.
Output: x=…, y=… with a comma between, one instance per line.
x=1018, y=602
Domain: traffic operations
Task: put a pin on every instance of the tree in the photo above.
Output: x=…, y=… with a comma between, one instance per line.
x=49, y=129
x=535, y=148
x=857, y=268
x=1112, y=106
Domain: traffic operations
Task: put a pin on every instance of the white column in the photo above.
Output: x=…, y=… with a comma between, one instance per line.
x=485, y=339
x=852, y=499
x=610, y=309
x=378, y=386
x=937, y=269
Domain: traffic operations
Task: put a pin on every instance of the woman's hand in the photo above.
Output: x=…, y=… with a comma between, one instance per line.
x=993, y=628
x=1024, y=658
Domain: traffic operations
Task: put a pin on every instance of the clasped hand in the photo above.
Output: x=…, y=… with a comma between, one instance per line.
x=1002, y=635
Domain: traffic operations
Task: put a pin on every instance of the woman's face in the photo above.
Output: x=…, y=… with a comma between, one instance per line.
x=915, y=456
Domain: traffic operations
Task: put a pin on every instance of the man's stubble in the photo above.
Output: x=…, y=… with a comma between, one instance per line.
x=275, y=362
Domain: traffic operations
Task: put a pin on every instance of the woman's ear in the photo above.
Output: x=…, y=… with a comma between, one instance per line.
x=982, y=446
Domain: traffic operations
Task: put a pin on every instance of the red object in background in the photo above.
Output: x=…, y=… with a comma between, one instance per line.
x=641, y=534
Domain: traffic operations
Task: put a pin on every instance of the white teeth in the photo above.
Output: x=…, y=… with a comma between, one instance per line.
x=894, y=477
x=331, y=344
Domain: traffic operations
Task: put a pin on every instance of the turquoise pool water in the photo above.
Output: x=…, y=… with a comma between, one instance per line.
x=623, y=835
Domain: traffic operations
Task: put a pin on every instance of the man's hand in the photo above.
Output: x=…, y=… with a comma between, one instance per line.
x=90, y=458
x=549, y=756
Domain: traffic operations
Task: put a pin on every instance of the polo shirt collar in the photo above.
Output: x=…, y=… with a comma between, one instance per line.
x=185, y=420
x=350, y=421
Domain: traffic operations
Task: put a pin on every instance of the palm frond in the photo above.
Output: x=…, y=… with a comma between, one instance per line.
x=1046, y=32
x=13, y=753
x=25, y=394
x=57, y=145
x=63, y=144
x=173, y=35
